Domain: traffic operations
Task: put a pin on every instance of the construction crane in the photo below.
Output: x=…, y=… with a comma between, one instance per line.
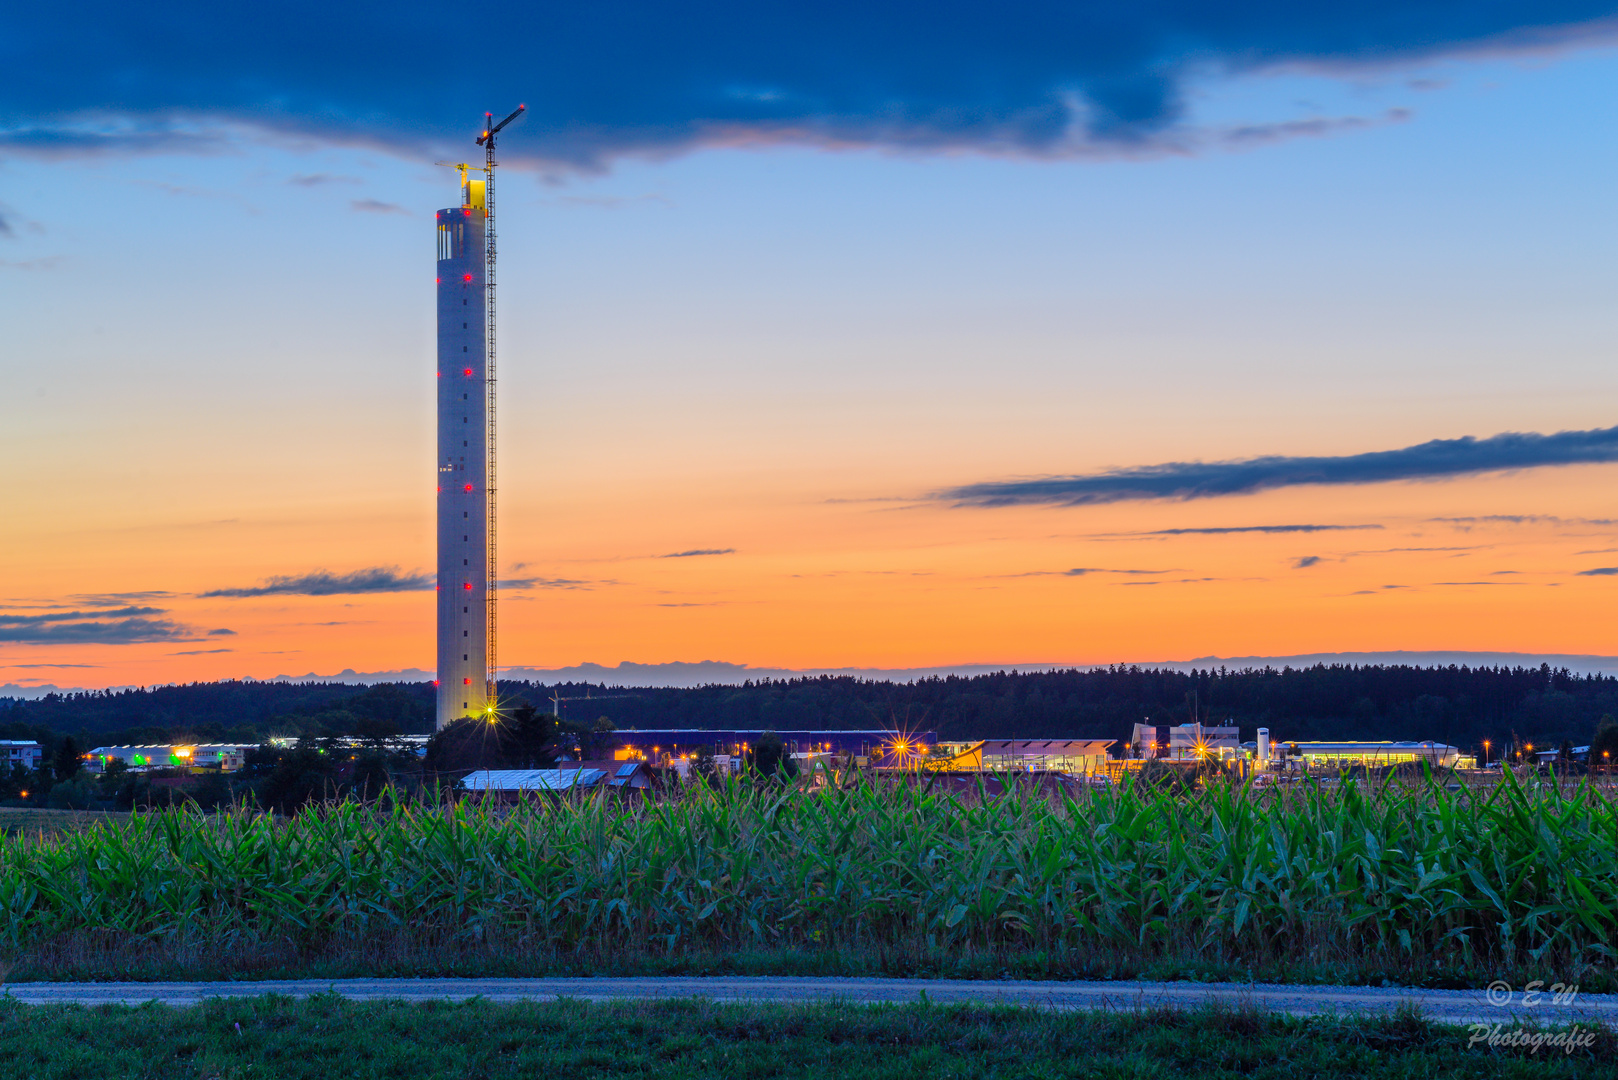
x=486, y=140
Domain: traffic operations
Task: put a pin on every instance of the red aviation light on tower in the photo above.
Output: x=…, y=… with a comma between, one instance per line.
x=469, y=489
x=466, y=277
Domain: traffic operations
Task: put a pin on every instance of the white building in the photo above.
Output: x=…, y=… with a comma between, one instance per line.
x=20, y=752
x=1185, y=742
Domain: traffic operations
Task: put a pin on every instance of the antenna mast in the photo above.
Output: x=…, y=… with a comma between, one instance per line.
x=486, y=140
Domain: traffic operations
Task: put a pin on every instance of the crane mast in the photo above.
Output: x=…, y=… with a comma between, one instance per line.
x=486, y=140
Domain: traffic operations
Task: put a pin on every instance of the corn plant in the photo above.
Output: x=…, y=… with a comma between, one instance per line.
x=1415, y=872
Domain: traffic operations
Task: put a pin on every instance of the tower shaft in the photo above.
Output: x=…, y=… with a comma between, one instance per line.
x=465, y=452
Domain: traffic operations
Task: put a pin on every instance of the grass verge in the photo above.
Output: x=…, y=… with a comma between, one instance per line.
x=328, y=1036
x=90, y=957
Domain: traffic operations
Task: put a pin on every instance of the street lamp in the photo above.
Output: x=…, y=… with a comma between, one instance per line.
x=1485, y=753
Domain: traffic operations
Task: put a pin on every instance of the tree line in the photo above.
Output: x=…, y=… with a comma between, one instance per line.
x=1456, y=704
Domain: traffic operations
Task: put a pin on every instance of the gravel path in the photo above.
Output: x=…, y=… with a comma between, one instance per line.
x=1450, y=1006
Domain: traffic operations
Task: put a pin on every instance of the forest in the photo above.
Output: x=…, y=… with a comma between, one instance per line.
x=1457, y=705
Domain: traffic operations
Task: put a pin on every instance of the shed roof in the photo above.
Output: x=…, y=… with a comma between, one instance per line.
x=532, y=779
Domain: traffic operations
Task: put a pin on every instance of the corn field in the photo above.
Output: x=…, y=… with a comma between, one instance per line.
x=1417, y=872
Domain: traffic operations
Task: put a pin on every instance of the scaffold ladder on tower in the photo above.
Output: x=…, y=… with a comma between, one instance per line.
x=492, y=575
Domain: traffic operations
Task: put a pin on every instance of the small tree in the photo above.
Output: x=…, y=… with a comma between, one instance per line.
x=113, y=775
x=67, y=760
x=770, y=758
x=1604, y=746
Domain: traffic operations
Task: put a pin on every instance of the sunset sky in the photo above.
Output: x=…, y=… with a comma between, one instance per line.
x=902, y=358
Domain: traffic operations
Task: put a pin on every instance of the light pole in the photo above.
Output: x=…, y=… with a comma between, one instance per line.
x=1485, y=753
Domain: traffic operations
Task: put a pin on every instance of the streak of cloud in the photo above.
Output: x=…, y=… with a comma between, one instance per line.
x=1600, y=571
x=376, y=579
x=1227, y=530
x=377, y=206
x=1438, y=459
x=698, y=551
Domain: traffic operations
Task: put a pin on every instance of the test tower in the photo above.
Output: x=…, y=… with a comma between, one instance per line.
x=467, y=581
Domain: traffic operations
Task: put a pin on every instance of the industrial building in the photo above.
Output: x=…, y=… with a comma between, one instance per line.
x=880, y=748
x=1186, y=742
x=1076, y=756
x=1371, y=754
x=15, y=752
x=225, y=756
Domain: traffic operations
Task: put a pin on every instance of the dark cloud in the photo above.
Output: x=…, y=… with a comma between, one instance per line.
x=201, y=652
x=1025, y=76
x=319, y=179
x=377, y=579
x=1081, y=571
x=222, y=632
x=1305, y=562
x=1600, y=571
x=10, y=618
x=1435, y=460
x=78, y=628
x=698, y=551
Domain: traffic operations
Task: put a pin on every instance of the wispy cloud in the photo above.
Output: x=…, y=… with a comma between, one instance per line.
x=1467, y=523
x=320, y=179
x=1435, y=460
x=376, y=579
x=1248, y=135
x=119, y=599
x=1082, y=571
x=222, y=632
x=1600, y=571
x=123, y=626
x=45, y=262
x=519, y=584
x=1226, y=530
x=698, y=551
x=201, y=652
x=377, y=206
x=1305, y=562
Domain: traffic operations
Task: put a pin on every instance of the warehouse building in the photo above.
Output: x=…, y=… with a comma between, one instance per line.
x=1372, y=755
x=884, y=749
x=225, y=756
x=1076, y=756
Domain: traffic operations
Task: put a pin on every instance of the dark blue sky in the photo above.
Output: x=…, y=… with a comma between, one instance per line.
x=607, y=77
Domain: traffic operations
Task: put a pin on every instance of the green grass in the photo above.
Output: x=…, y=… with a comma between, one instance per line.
x=18, y=821
x=328, y=1037
x=1398, y=883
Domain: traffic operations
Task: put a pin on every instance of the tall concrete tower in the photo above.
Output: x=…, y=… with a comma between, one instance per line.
x=465, y=454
